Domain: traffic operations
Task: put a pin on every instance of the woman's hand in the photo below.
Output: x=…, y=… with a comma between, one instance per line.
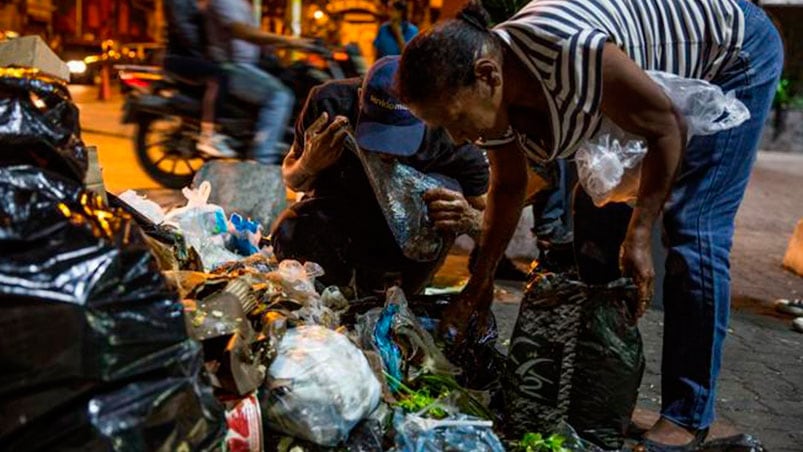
x=635, y=261
x=470, y=308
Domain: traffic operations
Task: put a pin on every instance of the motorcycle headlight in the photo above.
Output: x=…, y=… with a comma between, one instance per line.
x=76, y=66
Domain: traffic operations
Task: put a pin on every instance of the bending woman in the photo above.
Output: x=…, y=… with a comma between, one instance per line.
x=536, y=86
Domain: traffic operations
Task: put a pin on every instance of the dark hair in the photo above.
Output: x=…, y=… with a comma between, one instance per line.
x=441, y=60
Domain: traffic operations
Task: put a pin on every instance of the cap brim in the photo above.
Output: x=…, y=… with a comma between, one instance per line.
x=402, y=141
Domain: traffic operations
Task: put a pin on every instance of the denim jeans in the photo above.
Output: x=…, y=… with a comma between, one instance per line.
x=251, y=84
x=698, y=221
x=551, y=206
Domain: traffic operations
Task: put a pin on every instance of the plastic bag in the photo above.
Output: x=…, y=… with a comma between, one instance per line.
x=94, y=353
x=39, y=124
x=321, y=386
x=203, y=225
x=144, y=206
x=246, y=235
x=576, y=356
x=399, y=190
x=416, y=433
x=609, y=164
x=406, y=347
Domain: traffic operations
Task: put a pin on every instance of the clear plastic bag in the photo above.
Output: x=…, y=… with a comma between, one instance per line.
x=417, y=433
x=609, y=164
x=146, y=207
x=399, y=190
x=321, y=386
x=203, y=226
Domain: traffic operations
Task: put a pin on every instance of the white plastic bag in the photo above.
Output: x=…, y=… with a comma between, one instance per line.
x=321, y=386
x=146, y=207
x=609, y=164
x=203, y=225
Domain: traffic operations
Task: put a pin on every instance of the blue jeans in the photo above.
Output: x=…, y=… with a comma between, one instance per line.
x=551, y=206
x=251, y=84
x=699, y=223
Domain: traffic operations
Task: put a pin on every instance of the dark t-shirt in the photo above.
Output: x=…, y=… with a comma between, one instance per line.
x=466, y=165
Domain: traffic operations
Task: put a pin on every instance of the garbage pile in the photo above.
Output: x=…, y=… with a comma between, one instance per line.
x=126, y=327
x=94, y=351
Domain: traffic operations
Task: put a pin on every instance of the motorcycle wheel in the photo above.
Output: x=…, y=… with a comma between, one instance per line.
x=166, y=150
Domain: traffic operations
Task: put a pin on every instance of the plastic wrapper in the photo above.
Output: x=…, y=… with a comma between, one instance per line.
x=321, y=386
x=166, y=242
x=416, y=433
x=147, y=208
x=246, y=235
x=39, y=124
x=399, y=190
x=407, y=349
x=94, y=351
x=296, y=285
x=576, y=356
x=609, y=164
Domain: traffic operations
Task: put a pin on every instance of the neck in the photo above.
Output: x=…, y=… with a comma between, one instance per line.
x=519, y=83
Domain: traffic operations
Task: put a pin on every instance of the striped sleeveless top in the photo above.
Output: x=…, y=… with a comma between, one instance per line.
x=561, y=42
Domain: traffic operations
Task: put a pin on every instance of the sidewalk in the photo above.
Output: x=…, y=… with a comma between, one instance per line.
x=761, y=383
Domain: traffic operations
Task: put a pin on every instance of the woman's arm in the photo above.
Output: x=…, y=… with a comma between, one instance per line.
x=637, y=104
x=502, y=211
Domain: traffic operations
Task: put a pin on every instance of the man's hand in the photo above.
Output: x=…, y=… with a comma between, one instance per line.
x=635, y=260
x=323, y=144
x=451, y=213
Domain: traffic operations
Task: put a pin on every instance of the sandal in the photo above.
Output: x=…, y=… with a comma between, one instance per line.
x=647, y=445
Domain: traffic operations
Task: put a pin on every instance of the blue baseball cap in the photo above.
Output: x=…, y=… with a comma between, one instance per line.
x=385, y=124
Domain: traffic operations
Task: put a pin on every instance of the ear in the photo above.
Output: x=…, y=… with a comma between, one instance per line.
x=488, y=71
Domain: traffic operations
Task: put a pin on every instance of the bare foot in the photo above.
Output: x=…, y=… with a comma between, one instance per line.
x=666, y=432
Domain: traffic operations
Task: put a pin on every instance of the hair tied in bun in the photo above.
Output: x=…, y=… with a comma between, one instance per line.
x=474, y=15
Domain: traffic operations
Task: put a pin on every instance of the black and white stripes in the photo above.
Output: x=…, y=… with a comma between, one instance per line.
x=561, y=42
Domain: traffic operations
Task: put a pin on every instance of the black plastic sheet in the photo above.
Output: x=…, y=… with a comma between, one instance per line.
x=94, y=350
x=576, y=356
x=39, y=124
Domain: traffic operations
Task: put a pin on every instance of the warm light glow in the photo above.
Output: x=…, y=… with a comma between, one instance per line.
x=318, y=14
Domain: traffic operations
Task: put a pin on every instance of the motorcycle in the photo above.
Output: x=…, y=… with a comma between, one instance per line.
x=167, y=110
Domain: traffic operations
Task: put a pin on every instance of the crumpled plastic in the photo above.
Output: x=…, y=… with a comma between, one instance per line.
x=609, y=164
x=295, y=283
x=321, y=386
x=417, y=433
x=399, y=190
x=576, y=356
x=149, y=209
x=407, y=349
x=94, y=352
x=39, y=124
x=246, y=235
x=203, y=226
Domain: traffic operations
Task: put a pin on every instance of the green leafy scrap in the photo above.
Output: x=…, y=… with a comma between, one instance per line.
x=535, y=442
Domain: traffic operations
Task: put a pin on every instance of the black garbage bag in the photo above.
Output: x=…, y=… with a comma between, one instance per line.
x=94, y=353
x=399, y=190
x=39, y=124
x=576, y=356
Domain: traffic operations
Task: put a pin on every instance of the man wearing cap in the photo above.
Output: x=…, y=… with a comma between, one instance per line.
x=339, y=224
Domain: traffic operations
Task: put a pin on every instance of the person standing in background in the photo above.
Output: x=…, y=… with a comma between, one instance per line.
x=394, y=34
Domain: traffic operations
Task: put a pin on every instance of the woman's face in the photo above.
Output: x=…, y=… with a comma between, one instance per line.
x=468, y=114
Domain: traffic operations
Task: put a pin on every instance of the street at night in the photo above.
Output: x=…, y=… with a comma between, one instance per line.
x=401, y=225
